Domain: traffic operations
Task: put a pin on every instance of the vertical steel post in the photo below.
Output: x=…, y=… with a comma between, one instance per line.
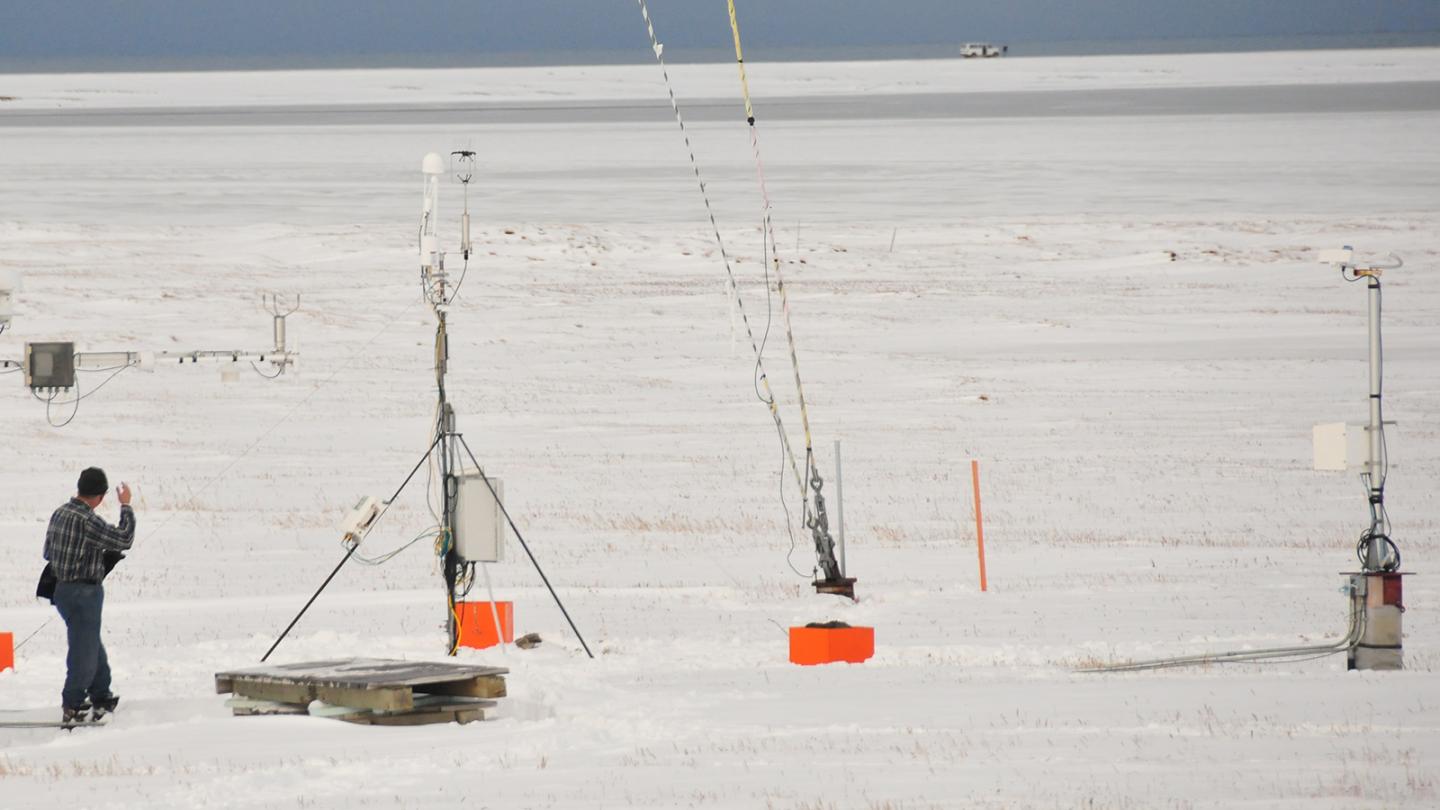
x=840, y=506
x=280, y=339
x=1374, y=558
x=446, y=447
x=452, y=560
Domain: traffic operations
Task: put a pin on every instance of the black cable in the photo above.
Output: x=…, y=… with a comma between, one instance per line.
x=71, y=418
x=1262, y=656
x=102, y=384
x=789, y=521
x=73, y=413
x=770, y=402
x=468, y=579
x=78, y=398
x=277, y=374
x=769, y=317
x=1297, y=660
x=464, y=271
x=767, y=236
x=526, y=546
x=104, y=368
x=381, y=559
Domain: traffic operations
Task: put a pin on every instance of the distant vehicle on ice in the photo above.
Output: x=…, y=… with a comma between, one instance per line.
x=982, y=50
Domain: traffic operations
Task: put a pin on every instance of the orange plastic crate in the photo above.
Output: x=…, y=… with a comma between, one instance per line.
x=7, y=651
x=829, y=645
x=477, y=623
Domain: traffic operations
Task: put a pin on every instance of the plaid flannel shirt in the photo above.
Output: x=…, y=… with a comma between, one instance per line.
x=77, y=539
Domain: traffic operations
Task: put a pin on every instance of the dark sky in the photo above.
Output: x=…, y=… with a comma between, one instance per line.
x=168, y=30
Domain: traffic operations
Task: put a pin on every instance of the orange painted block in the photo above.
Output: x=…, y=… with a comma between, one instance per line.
x=828, y=645
x=477, y=623
x=7, y=651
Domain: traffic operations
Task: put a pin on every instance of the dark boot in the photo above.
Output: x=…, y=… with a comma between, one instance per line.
x=103, y=706
x=75, y=715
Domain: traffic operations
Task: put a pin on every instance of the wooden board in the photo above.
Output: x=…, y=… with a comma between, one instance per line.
x=360, y=673
x=441, y=703
x=423, y=703
x=482, y=686
x=379, y=699
x=245, y=707
x=367, y=690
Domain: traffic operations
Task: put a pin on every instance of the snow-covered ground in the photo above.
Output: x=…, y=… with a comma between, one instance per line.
x=643, y=82
x=998, y=290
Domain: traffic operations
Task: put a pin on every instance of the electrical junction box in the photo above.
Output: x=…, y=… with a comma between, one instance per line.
x=360, y=518
x=50, y=365
x=479, y=522
x=1340, y=447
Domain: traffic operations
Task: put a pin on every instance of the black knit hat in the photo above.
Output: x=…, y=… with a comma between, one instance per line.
x=92, y=482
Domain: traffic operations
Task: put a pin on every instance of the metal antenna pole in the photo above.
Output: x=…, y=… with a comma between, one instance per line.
x=1375, y=555
x=445, y=433
x=1374, y=558
x=432, y=275
x=1375, y=543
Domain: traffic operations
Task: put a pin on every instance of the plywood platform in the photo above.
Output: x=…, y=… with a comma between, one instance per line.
x=367, y=690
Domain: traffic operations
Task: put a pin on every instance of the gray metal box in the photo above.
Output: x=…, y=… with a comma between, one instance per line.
x=50, y=365
x=479, y=522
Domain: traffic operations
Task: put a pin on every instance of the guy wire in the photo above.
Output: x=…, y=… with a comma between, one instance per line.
x=770, y=227
x=812, y=480
x=768, y=396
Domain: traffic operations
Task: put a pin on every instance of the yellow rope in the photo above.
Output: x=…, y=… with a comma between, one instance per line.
x=770, y=234
x=764, y=378
x=454, y=611
x=740, y=60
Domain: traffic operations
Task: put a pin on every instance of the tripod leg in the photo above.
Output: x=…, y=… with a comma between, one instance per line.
x=525, y=546
x=351, y=552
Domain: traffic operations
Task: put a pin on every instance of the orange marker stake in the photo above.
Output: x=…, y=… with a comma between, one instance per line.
x=979, y=525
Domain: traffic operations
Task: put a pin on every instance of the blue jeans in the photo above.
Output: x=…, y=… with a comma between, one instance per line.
x=87, y=667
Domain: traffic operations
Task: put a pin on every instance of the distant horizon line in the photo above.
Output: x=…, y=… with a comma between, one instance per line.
x=786, y=53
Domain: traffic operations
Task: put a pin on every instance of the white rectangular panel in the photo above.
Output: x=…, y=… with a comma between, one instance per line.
x=479, y=523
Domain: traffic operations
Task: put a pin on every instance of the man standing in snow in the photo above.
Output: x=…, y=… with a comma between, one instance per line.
x=76, y=544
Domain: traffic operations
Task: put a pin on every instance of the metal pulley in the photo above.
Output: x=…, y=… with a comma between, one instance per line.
x=818, y=522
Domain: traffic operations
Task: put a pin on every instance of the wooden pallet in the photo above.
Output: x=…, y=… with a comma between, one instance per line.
x=367, y=690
